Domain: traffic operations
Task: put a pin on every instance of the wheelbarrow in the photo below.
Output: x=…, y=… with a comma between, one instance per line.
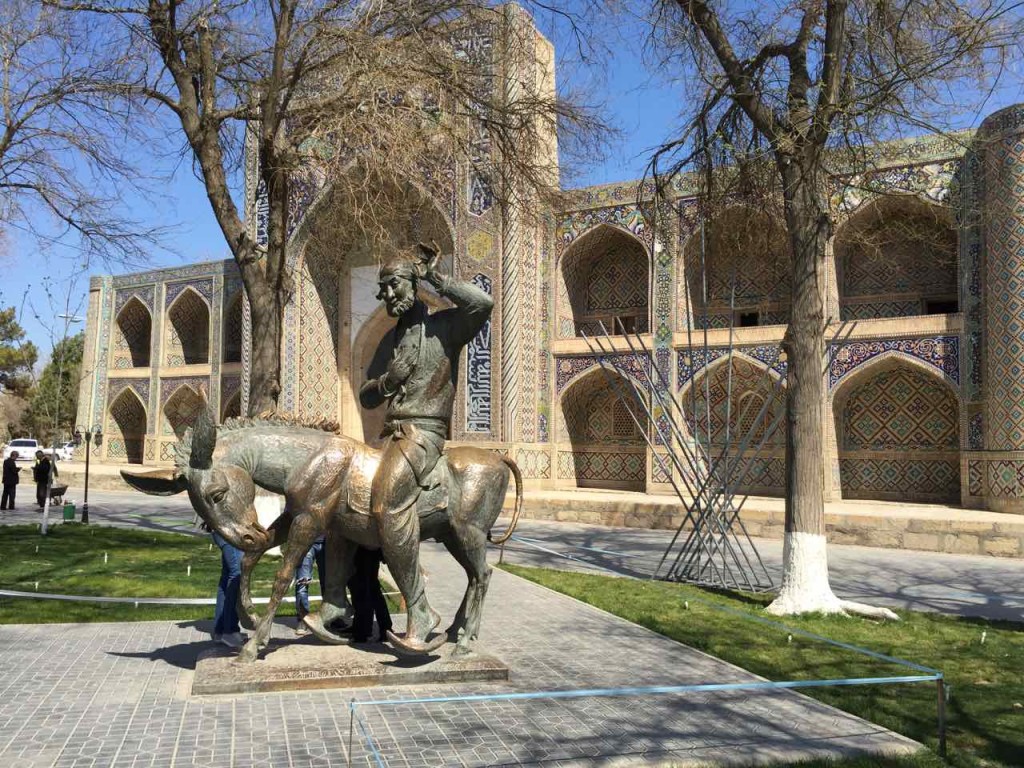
x=57, y=494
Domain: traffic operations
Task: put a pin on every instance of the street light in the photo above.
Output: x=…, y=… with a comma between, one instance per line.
x=88, y=440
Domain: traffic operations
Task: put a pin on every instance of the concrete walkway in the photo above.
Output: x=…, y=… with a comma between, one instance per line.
x=116, y=695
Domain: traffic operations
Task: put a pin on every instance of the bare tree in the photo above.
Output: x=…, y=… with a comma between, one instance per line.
x=62, y=166
x=370, y=95
x=804, y=85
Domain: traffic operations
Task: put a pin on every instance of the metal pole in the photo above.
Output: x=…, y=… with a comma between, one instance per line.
x=351, y=724
x=85, y=502
x=940, y=686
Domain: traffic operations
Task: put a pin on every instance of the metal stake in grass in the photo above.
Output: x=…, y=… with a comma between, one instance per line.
x=188, y=570
x=104, y=557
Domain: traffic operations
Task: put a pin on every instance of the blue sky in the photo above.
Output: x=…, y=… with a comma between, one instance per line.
x=643, y=107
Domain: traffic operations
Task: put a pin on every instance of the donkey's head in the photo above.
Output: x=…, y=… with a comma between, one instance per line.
x=221, y=494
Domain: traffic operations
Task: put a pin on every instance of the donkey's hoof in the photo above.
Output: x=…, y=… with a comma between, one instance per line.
x=250, y=651
x=316, y=626
x=414, y=646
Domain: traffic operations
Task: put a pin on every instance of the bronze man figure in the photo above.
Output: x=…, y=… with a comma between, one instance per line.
x=419, y=388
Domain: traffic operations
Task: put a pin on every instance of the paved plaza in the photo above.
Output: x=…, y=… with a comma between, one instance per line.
x=118, y=694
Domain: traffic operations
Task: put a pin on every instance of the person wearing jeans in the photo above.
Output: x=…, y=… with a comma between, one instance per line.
x=226, y=629
x=303, y=577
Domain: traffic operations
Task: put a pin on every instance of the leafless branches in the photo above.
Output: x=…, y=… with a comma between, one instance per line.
x=63, y=168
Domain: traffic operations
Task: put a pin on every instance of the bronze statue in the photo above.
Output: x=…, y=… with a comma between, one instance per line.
x=419, y=387
x=354, y=494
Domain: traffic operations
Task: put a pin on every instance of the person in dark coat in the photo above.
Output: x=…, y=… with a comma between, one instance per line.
x=11, y=470
x=367, y=597
x=41, y=474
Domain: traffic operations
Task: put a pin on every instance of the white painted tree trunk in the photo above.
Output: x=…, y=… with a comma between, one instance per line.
x=805, y=584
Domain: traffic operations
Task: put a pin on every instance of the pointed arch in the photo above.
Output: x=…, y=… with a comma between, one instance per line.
x=232, y=343
x=600, y=412
x=126, y=428
x=722, y=410
x=188, y=334
x=133, y=331
x=180, y=410
x=896, y=256
x=604, y=276
x=739, y=262
x=897, y=424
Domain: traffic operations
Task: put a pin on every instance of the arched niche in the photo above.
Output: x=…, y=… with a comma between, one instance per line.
x=233, y=329
x=180, y=411
x=733, y=402
x=603, y=419
x=188, y=336
x=340, y=247
x=898, y=433
x=896, y=256
x=606, y=275
x=737, y=270
x=126, y=428
x=736, y=407
x=132, y=335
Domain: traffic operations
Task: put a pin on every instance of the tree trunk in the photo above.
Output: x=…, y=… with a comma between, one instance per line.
x=805, y=585
x=265, y=359
x=805, y=582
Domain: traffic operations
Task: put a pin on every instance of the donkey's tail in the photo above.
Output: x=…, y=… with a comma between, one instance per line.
x=519, y=503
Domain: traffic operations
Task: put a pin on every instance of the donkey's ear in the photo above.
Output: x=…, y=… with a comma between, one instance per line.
x=160, y=482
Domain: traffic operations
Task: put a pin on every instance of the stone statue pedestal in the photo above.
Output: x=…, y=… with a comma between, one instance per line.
x=306, y=664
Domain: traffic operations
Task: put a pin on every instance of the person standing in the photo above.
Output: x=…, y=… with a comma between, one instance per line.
x=41, y=474
x=303, y=577
x=226, y=629
x=10, y=480
x=367, y=597
x=419, y=390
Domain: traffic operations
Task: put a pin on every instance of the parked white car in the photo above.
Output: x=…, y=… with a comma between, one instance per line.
x=25, y=446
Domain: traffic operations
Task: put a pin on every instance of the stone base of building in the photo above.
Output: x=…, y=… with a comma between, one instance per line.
x=925, y=527
x=304, y=665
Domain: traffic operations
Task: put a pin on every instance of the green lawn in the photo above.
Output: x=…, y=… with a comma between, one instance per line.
x=70, y=560
x=985, y=713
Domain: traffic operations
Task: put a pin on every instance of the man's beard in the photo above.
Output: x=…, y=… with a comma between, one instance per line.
x=401, y=306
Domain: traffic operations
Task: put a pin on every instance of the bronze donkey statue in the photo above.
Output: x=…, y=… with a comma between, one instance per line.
x=325, y=479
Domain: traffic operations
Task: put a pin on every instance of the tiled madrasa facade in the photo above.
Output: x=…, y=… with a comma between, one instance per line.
x=925, y=370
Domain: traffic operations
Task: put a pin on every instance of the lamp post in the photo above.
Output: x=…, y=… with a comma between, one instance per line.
x=88, y=450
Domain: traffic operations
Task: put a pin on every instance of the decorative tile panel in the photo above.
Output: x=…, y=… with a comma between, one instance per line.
x=976, y=477
x=690, y=362
x=478, y=371
x=316, y=359
x=595, y=411
x=535, y=465
x=203, y=287
x=139, y=386
x=976, y=432
x=905, y=479
x=143, y=293
x=755, y=404
x=635, y=366
x=593, y=467
x=901, y=410
x=939, y=352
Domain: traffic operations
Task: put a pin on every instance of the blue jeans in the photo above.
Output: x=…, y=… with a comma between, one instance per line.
x=304, y=575
x=225, y=620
